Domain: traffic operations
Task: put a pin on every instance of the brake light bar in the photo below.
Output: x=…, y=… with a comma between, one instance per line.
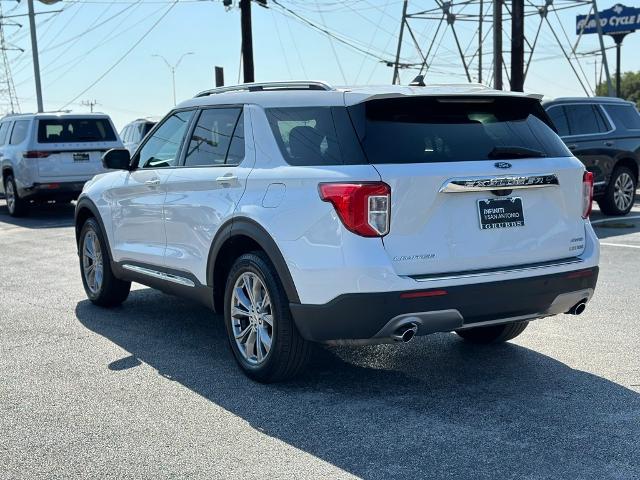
x=363, y=207
x=36, y=154
x=587, y=194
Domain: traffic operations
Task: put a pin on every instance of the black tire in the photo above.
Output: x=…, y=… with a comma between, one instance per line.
x=493, y=333
x=112, y=291
x=17, y=206
x=289, y=352
x=607, y=202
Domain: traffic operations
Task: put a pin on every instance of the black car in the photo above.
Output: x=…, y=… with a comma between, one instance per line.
x=604, y=133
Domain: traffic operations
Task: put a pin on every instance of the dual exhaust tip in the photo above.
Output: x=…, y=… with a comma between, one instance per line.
x=405, y=333
x=578, y=308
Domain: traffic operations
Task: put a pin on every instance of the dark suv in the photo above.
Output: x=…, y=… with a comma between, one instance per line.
x=604, y=133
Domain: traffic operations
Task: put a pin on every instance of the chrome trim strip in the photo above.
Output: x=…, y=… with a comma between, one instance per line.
x=499, y=272
x=500, y=182
x=160, y=275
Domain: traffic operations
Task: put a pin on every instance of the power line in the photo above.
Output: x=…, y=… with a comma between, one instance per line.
x=122, y=57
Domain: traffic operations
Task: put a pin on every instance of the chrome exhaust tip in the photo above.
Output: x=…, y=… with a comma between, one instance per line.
x=405, y=333
x=578, y=308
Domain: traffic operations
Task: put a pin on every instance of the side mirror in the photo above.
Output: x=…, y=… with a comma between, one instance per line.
x=117, y=159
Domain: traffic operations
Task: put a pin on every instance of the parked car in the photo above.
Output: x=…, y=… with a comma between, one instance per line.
x=367, y=215
x=50, y=156
x=604, y=133
x=133, y=133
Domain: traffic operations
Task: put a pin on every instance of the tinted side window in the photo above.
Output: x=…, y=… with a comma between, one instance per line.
x=162, y=148
x=236, y=149
x=559, y=119
x=625, y=115
x=211, y=137
x=19, y=132
x=315, y=135
x=585, y=119
x=4, y=130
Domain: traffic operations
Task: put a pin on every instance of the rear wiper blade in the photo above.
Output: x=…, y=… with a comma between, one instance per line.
x=515, y=152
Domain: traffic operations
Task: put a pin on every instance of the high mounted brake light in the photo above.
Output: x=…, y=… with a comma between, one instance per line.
x=364, y=208
x=587, y=194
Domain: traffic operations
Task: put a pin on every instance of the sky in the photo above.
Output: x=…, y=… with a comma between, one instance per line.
x=103, y=51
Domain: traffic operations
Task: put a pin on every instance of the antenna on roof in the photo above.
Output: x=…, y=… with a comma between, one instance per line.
x=418, y=81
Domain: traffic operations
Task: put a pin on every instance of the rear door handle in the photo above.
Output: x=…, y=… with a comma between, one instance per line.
x=609, y=143
x=152, y=183
x=573, y=146
x=226, y=179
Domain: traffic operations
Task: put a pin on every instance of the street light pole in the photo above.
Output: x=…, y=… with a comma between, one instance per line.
x=34, y=52
x=172, y=69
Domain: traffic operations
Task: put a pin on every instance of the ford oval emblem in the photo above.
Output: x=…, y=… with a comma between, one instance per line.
x=502, y=165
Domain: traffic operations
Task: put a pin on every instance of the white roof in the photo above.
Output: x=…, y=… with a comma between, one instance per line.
x=338, y=96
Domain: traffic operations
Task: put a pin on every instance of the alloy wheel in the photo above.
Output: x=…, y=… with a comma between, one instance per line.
x=252, y=318
x=92, y=262
x=623, y=191
x=10, y=196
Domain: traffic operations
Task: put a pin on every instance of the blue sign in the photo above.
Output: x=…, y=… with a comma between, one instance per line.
x=618, y=19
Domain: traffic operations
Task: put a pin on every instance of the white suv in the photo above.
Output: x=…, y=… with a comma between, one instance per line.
x=50, y=156
x=133, y=133
x=359, y=215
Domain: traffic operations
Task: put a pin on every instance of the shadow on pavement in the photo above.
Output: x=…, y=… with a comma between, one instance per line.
x=51, y=215
x=434, y=407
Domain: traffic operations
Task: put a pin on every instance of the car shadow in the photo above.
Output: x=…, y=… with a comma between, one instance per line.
x=50, y=215
x=433, y=407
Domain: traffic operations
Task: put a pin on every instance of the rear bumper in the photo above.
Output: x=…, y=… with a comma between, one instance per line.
x=375, y=316
x=52, y=190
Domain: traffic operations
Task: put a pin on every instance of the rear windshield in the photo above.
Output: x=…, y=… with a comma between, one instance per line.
x=450, y=129
x=75, y=130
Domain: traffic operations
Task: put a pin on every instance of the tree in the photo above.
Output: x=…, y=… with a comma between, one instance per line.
x=629, y=87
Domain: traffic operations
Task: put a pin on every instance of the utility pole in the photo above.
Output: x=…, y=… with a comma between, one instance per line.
x=602, y=49
x=247, y=41
x=618, y=39
x=34, y=51
x=219, y=76
x=480, y=42
x=497, y=44
x=397, y=63
x=517, y=45
x=90, y=104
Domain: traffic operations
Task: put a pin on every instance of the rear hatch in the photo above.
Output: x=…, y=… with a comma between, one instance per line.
x=71, y=148
x=476, y=183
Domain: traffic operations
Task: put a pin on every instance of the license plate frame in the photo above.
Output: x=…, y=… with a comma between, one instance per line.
x=495, y=213
x=81, y=157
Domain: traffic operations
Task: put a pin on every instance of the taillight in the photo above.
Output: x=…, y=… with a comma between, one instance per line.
x=364, y=208
x=587, y=194
x=36, y=154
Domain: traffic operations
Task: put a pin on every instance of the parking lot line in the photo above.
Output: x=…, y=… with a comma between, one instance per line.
x=609, y=219
x=619, y=245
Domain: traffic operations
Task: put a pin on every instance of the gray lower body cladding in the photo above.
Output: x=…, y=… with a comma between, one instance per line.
x=375, y=316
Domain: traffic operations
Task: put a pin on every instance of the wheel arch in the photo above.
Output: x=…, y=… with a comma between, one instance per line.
x=242, y=235
x=629, y=162
x=86, y=209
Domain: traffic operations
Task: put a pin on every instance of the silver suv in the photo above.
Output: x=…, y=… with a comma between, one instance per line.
x=133, y=133
x=51, y=156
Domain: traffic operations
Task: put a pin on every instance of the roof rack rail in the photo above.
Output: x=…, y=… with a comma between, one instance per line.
x=265, y=86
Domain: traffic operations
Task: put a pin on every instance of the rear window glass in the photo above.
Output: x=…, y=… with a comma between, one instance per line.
x=627, y=115
x=452, y=129
x=315, y=135
x=75, y=130
x=586, y=119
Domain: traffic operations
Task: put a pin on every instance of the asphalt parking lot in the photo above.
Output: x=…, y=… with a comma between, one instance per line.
x=150, y=389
